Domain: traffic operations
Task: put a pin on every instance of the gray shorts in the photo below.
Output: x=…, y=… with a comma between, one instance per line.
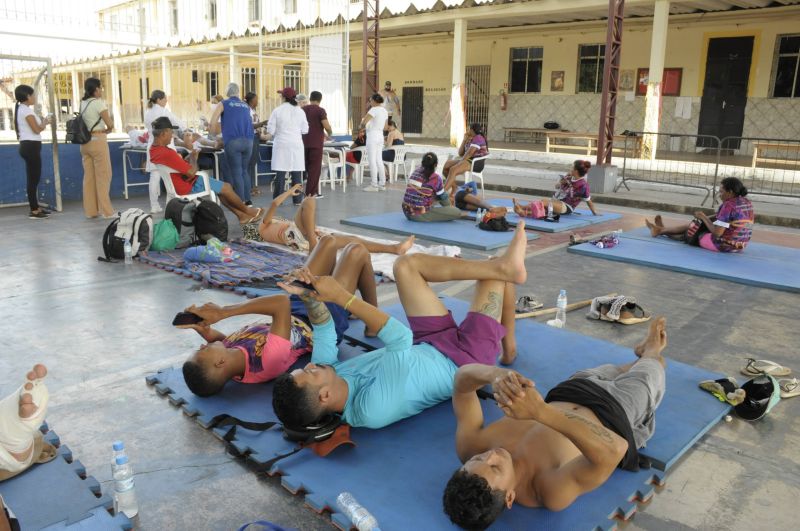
x=639, y=391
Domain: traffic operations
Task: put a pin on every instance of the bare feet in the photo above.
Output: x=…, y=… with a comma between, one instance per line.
x=21, y=414
x=518, y=209
x=403, y=247
x=655, y=342
x=514, y=258
x=27, y=408
x=655, y=230
x=658, y=221
x=500, y=211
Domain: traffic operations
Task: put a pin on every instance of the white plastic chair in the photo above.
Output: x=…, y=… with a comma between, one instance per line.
x=360, y=167
x=476, y=170
x=399, y=162
x=165, y=172
x=333, y=169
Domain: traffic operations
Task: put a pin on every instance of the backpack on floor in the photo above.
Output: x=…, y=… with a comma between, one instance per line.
x=494, y=223
x=133, y=225
x=209, y=221
x=182, y=212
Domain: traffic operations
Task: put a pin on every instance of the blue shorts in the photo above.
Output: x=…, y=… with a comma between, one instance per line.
x=200, y=186
x=340, y=316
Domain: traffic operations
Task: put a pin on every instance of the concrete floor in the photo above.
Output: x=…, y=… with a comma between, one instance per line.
x=101, y=328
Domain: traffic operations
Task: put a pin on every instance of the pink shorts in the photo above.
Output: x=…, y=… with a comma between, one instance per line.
x=475, y=340
x=707, y=242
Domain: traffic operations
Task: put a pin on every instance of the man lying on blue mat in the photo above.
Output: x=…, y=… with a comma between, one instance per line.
x=260, y=352
x=547, y=452
x=415, y=369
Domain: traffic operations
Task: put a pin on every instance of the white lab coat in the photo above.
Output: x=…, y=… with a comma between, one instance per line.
x=287, y=125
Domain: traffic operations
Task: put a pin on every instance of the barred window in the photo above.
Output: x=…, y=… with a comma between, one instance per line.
x=525, y=72
x=591, y=59
x=249, y=80
x=786, y=78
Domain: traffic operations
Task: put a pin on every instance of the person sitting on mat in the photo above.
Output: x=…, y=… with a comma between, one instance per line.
x=415, y=369
x=302, y=234
x=473, y=146
x=726, y=232
x=21, y=415
x=466, y=198
x=184, y=177
x=570, y=191
x=260, y=352
x=426, y=186
x=547, y=452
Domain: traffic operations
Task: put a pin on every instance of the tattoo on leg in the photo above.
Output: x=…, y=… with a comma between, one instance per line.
x=317, y=312
x=494, y=306
x=596, y=429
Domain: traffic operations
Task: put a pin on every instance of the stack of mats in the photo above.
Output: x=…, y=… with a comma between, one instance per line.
x=577, y=220
x=762, y=265
x=59, y=495
x=399, y=472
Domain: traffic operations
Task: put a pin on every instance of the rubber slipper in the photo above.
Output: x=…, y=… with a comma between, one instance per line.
x=527, y=304
x=640, y=315
x=756, y=367
x=789, y=387
x=725, y=389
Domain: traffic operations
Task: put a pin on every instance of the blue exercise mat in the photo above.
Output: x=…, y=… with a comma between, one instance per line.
x=458, y=232
x=580, y=218
x=549, y=356
x=761, y=265
x=59, y=494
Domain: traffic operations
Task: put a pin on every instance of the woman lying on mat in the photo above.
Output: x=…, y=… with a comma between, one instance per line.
x=260, y=352
x=473, y=146
x=570, y=191
x=302, y=234
x=426, y=186
x=726, y=232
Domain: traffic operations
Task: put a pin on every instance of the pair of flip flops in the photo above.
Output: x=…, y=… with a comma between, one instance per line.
x=618, y=309
x=790, y=387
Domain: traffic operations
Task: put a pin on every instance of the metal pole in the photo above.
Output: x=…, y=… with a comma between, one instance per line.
x=53, y=137
x=261, y=88
x=143, y=80
x=608, y=104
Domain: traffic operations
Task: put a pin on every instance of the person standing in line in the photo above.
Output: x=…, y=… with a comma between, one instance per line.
x=156, y=108
x=374, y=122
x=94, y=154
x=318, y=129
x=251, y=98
x=29, y=128
x=287, y=125
x=392, y=101
x=232, y=118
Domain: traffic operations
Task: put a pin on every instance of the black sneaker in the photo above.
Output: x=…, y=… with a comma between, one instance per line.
x=319, y=196
x=248, y=203
x=37, y=215
x=48, y=212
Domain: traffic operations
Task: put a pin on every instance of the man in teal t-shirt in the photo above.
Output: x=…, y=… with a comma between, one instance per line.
x=415, y=368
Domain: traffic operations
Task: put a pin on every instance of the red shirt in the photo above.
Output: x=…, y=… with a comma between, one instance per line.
x=316, y=133
x=170, y=158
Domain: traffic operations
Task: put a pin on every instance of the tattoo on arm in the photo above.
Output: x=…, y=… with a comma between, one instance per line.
x=596, y=429
x=494, y=306
x=317, y=312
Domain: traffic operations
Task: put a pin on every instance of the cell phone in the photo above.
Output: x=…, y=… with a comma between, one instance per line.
x=186, y=318
x=300, y=284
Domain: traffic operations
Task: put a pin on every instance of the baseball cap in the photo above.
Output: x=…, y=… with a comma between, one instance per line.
x=163, y=123
x=761, y=395
x=288, y=92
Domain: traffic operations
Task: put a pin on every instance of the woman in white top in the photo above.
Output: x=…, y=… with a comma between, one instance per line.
x=374, y=122
x=94, y=154
x=287, y=125
x=29, y=128
x=156, y=108
x=251, y=99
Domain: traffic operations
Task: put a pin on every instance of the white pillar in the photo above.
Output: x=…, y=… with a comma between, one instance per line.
x=76, y=92
x=457, y=117
x=652, y=101
x=115, y=109
x=232, y=77
x=166, y=80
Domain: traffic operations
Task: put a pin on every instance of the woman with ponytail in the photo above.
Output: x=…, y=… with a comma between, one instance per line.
x=571, y=189
x=728, y=231
x=156, y=108
x=29, y=128
x=425, y=186
x=473, y=146
x=95, y=155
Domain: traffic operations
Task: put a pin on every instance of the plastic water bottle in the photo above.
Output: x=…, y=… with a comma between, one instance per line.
x=479, y=216
x=128, y=252
x=358, y=515
x=561, y=311
x=124, y=488
x=118, y=449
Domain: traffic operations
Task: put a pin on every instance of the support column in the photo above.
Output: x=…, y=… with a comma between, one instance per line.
x=232, y=77
x=76, y=92
x=457, y=93
x=652, y=101
x=166, y=78
x=115, y=110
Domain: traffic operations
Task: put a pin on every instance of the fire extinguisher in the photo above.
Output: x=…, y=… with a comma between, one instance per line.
x=503, y=100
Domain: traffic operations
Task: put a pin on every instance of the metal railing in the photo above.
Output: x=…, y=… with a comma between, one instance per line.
x=766, y=166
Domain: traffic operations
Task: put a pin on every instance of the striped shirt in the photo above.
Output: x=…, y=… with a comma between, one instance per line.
x=421, y=192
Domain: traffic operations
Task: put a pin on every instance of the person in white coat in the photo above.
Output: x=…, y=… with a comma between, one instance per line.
x=374, y=122
x=156, y=108
x=287, y=125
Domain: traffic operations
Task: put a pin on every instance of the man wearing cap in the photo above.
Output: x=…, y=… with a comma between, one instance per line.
x=287, y=125
x=391, y=101
x=184, y=174
x=318, y=128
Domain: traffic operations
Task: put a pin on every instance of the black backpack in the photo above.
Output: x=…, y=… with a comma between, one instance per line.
x=209, y=221
x=182, y=213
x=77, y=131
x=495, y=224
x=133, y=225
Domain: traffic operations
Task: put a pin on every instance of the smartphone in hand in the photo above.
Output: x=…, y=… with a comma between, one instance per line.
x=186, y=318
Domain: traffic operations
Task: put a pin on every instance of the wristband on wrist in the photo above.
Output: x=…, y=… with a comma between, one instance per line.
x=349, y=302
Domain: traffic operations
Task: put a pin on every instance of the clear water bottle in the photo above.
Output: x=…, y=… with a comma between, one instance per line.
x=118, y=449
x=561, y=309
x=358, y=515
x=479, y=216
x=128, y=252
x=124, y=488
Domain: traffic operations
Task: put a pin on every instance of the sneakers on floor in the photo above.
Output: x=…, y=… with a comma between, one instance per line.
x=37, y=215
x=372, y=189
x=156, y=209
x=319, y=196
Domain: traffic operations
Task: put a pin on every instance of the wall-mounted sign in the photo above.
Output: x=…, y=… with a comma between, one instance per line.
x=670, y=81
